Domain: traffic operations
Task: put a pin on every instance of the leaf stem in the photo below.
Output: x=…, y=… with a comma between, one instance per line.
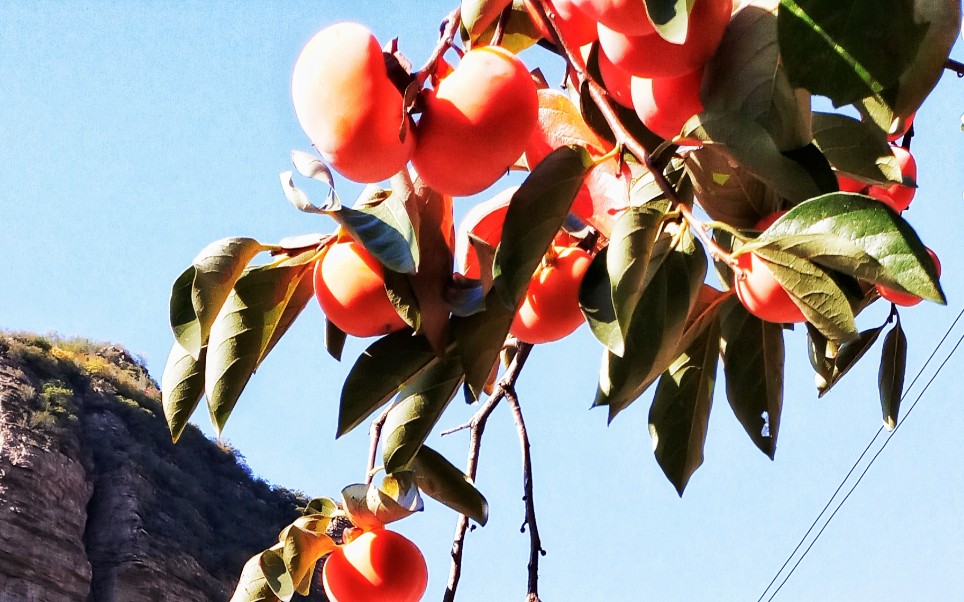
x=535, y=543
x=375, y=435
x=476, y=426
x=447, y=28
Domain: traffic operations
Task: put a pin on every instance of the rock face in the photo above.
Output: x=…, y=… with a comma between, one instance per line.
x=97, y=505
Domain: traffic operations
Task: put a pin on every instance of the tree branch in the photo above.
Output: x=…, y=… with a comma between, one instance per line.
x=955, y=66
x=476, y=426
x=535, y=543
x=375, y=434
x=448, y=28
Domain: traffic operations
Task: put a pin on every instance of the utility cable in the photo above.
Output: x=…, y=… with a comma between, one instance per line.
x=859, y=459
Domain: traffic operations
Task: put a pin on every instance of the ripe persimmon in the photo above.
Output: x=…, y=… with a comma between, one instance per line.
x=484, y=221
x=577, y=28
x=902, y=298
x=898, y=196
x=664, y=104
x=651, y=56
x=550, y=309
x=350, y=287
x=626, y=16
x=759, y=291
x=377, y=566
x=476, y=124
x=350, y=109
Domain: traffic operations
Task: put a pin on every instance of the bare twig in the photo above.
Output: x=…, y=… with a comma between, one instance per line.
x=955, y=66
x=476, y=426
x=375, y=435
x=448, y=28
x=535, y=543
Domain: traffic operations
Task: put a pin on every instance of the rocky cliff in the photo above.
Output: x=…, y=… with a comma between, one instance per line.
x=97, y=505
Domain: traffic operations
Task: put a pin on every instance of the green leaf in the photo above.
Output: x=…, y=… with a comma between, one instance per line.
x=630, y=250
x=253, y=585
x=813, y=290
x=371, y=506
x=848, y=355
x=384, y=228
x=745, y=75
x=200, y=291
x=379, y=373
x=335, y=339
x=276, y=574
x=848, y=53
x=305, y=542
x=890, y=380
x=420, y=405
x=659, y=321
x=243, y=330
x=856, y=148
x=596, y=302
x=479, y=15
x=756, y=150
x=322, y=506
x=479, y=339
x=303, y=293
x=442, y=481
x=182, y=387
x=726, y=190
x=670, y=18
x=870, y=226
x=680, y=413
x=821, y=352
x=400, y=293
x=753, y=357
x=519, y=33
x=536, y=212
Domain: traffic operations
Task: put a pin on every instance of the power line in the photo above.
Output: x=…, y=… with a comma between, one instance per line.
x=869, y=464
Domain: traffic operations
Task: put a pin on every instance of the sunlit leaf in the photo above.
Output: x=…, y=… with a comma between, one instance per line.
x=478, y=15
x=856, y=148
x=441, y=480
x=379, y=373
x=670, y=18
x=276, y=574
x=420, y=405
x=322, y=506
x=253, y=585
x=753, y=357
x=305, y=542
x=182, y=387
x=893, y=364
x=519, y=32
x=680, y=412
x=373, y=506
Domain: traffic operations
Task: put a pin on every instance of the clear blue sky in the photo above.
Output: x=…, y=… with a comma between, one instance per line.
x=133, y=133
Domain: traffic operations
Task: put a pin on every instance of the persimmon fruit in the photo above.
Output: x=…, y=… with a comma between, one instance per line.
x=906, y=299
x=484, y=221
x=898, y=196
x=759, y=291
x=350, y=287
x=377, y=566
x=350, y=109
x=626, y=16
x=476, y=123
x=577, y=27
x=550, y=309
x=664, y=104
x=650, y=55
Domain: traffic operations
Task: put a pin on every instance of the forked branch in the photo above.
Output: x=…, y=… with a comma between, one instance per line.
x=535, y=543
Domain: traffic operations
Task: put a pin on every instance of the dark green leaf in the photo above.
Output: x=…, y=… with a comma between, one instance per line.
x=379, y=373
x=756, y=150
x=335, y=339
x=420, y=405
x=821, y=354
x=890, y=380
x=300, y=297
x=870, y=226
x=670, y=18
x=385, y=230
x=480, y=337
x=848, y=54
x=630, y=250
x=242, y=332
x=659, y=321
x=822, y=302
x=596, y=301
x=200, y=291
x=680, y=413
x=182, y=387
x=441, y=480
x=400, y=293
x=746, y=75
x=811, y=159
x=849, y=354
x=253, y=585
x=856, y=148
x=726, y=190
x=536, y=212
x=753, y=356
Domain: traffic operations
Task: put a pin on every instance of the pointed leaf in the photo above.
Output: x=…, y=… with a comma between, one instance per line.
x=379, y=373
x=753, y=357
x=479, y=339
x=182, y=387
x=385, y=231
x=849, y=354
x=441, y=480
x=335, y=339
x=596, y=302
x=276, y=574
x=200, y=291
x=253, y=585
x=820, y=351
x=726, y=190
x=300, y=297
x=242, y=332
x=680, y=413
x=305, y=542
x=856, y=148
x=536, y=212
x=372, y=507
x=746, y=75
x=890, y=380
x=872, y=227
x=420, y=405
x=321, y=506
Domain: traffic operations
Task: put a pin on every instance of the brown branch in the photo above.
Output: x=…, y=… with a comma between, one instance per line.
x=955, y=66
x=375, y=434
x=476, y=426
x=448, y=28
x=535, y=543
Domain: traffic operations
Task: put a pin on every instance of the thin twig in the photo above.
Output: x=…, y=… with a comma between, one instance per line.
x=375, y=435
x=476, y=426
x=448, y=28
x=535, y=543
x=955, y=66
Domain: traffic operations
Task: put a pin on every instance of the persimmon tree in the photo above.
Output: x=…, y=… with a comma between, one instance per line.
x=681, y=188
